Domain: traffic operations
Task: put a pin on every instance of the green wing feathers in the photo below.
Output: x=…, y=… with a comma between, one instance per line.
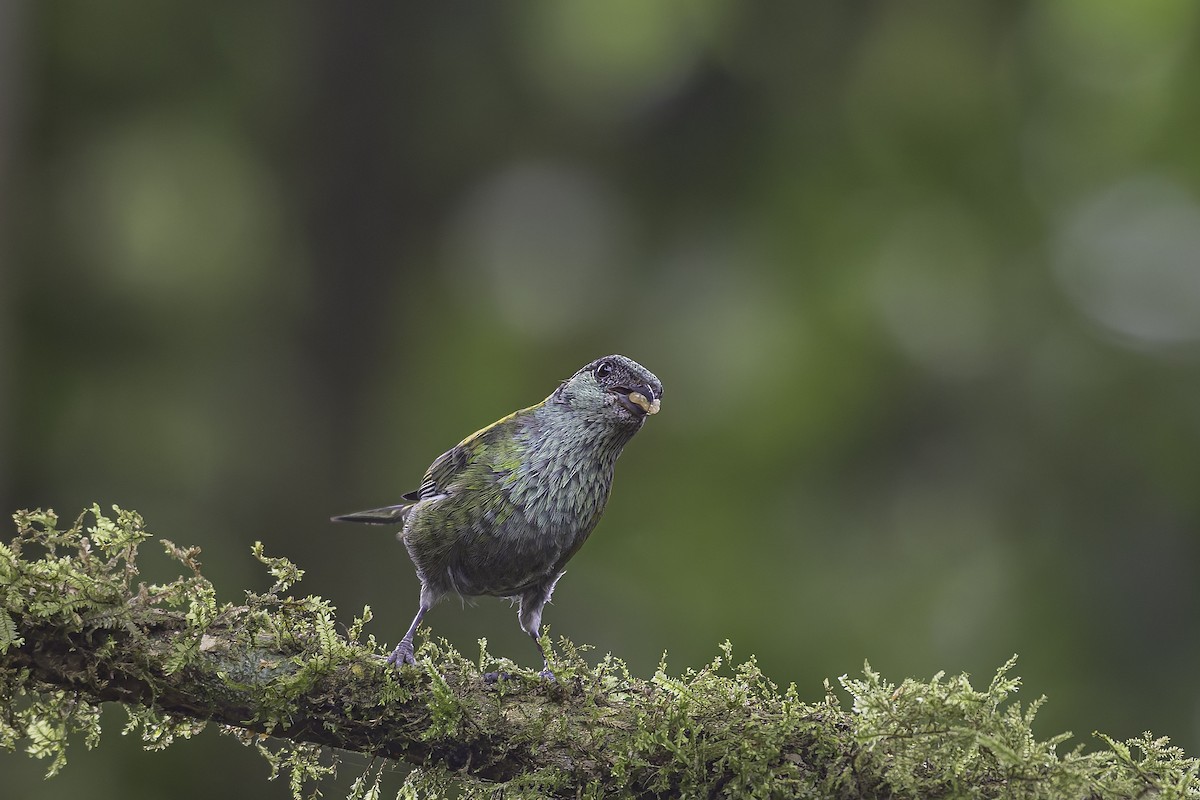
x=478, y=463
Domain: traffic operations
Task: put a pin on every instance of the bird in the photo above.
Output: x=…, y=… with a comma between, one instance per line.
x=503, y=511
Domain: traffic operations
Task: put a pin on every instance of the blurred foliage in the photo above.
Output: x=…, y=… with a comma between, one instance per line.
x=922, y=282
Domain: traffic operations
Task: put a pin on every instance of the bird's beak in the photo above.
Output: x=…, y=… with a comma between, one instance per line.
x=643, y=402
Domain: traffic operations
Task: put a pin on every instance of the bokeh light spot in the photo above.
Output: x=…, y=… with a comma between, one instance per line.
x=1129, y=258
x=541, y=241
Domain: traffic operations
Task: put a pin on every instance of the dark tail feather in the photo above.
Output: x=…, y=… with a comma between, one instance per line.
x=388, y=515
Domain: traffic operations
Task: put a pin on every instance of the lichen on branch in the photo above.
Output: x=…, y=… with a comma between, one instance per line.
x=78, y=629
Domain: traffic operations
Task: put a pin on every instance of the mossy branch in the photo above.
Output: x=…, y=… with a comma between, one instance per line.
x=76, y=631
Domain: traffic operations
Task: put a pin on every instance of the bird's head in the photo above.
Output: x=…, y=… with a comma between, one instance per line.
x=616, y=387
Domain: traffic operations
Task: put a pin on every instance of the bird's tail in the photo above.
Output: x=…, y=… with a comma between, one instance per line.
x=388, y=515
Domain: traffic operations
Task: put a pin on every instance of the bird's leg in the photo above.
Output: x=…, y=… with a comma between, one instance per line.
x=545, y=673
x=530, y=616
x=403, y=654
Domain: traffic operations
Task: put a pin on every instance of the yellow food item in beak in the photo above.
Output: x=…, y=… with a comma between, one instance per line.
x=639, y=400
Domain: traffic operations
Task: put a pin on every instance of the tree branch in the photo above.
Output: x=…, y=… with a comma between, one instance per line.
x=75, y=631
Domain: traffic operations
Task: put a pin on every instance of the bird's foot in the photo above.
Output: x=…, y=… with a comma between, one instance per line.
x=403, y=654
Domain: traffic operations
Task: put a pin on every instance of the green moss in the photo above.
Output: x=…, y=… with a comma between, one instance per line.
x=723, y=730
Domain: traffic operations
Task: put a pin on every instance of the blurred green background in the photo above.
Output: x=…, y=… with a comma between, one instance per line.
x=922, y=281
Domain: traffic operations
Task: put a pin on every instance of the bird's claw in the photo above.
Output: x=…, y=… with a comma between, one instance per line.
x=403, y=654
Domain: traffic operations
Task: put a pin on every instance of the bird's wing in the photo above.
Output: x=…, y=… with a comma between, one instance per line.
x=440, y=473
x=490, y=447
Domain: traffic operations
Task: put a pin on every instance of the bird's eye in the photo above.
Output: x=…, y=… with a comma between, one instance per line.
x=603, y=370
